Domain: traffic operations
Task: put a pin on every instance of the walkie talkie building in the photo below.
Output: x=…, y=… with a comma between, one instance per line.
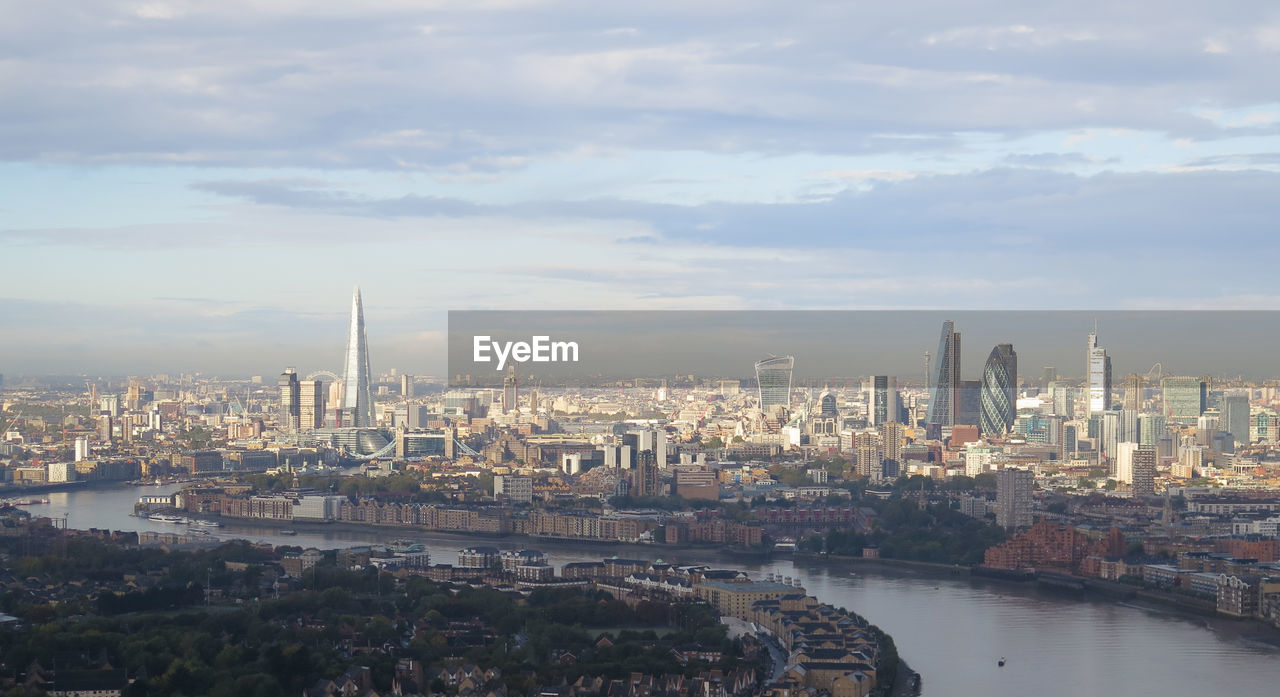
x=773, y=375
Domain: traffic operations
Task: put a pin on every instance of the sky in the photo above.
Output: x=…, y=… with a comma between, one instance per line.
x=196, y=186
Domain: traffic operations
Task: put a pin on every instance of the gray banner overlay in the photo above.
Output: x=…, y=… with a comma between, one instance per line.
x=595, y=348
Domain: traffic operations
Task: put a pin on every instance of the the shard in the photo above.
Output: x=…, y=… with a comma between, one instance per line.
x=357, y=395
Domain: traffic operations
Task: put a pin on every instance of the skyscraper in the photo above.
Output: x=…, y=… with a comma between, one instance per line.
x=1144, y=472
x=357, y=395
x=1133, y=386
x=406, y=385
x=1235, y=417
x=289, y=400
x=1098, y=377
x=944, y=384
x=311, y=394
x=1013, y=497
x=510, y=391
x=773, y=377
x=999, y=395
x=1150, y=429
x=1185, y=399
x=882, y=399
x=1048, y=377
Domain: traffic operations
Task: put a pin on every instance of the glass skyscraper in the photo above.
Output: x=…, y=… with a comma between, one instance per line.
x=1185, y=399
x=357, y=394
x=773, y=377
x=1098, y=367
x=999, y=391
x=944, y=383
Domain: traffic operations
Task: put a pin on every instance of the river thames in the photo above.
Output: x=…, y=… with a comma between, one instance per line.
x=950, y=629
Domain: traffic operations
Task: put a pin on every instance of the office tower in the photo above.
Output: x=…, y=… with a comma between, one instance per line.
x=1144, y=472
x=645, y=482
x=510, y=391
x=1261, y=424
x=1235, y=417
x=106, y=427
x=773, y=377
x=968, y=404
x=406, y=385
x=998, y=398
x=827, y=405
x=1184, y=399
x=1130, y=428
x=1048, y=377
x=311, y=394
x=1070, y=442
x=1109, y=434
x=944, y=384
x=882, y=399
x=416, y=416
x=1062, y=396
x=357, y=394
x=290, y=400
x=1098, y=377
x=1013, y=497
x=1207, y=425
x=1133, y=386
x=1150, y=429
x=110, y=404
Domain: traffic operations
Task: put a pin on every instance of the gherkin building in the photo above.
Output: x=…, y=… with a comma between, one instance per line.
x=999, y=396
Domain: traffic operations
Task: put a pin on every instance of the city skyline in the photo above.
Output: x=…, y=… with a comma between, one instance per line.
x=824, y=156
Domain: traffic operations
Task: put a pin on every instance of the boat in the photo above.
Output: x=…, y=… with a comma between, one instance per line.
x=162, y=518
x=31, y=502
x=207, y=523
x=288, y=532
x=1000, y=663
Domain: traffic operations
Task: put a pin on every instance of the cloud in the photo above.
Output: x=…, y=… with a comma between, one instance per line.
x=994, y=208
x=497, y=85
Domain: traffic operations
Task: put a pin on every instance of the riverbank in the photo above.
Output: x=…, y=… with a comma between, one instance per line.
x=1069, y=584
x=950, y=569
x=747, y=554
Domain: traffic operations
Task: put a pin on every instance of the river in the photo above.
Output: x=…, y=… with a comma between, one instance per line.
x=950, y=629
